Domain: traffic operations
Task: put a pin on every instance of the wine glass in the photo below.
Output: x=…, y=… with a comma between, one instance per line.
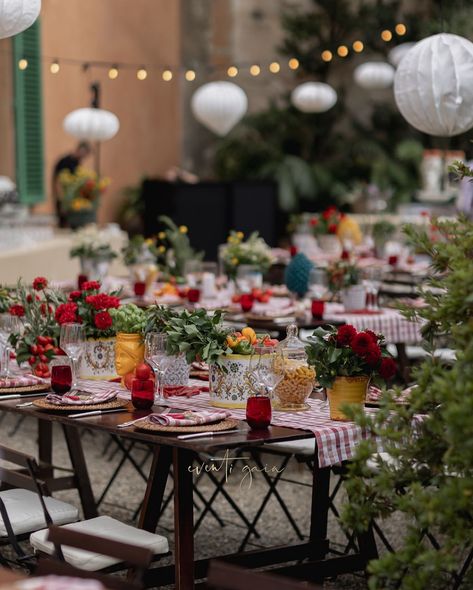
x=265, y=370
x=372, y=280
x=157, y=357
x=9, y=324
x=318, y=283
x=72, y=340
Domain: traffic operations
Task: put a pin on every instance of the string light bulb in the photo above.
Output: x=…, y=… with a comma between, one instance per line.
x=386, y=35
x=190, y=75
x=23, y=64
x=327, y=55
x=274, y=67
x=400, y=29
x=342, y=51
x=167, y=75
x=255, y=70
x=293, y=63
x=142, y=74
x=113, y=73
x=232, y=71
x=54, y=67
x=358, y=46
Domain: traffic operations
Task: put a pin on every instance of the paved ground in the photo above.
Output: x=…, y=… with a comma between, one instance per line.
x=212, y=538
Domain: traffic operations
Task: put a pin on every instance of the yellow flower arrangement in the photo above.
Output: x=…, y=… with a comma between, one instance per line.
x=81, y=189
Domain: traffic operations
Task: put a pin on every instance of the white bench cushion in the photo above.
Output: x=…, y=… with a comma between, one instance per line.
x=107, y=528
x=305, y=446
x=26, y=513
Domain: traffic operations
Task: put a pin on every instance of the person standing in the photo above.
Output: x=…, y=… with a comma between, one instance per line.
x=68, y=162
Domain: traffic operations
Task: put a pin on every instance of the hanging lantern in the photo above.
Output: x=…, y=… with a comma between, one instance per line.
x=17, y=15
x=374, y=75
x=397, y=53
x=219, y=106
x=313, y=97
x=433, y=86
x=91, y=124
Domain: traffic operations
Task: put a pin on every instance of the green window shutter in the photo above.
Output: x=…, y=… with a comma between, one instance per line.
x=28, y=116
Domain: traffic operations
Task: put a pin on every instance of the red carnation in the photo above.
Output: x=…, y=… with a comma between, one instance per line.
x=361, y=343
x=387, y=369
x=17, y=310
x=102, y=301
x=332, y=228
x=372, y=355
x=75, y=295
x=66, y=313
x=103, y=320
x=40, y=283
x=91, y=286
x=345, y=335
x=373, y=335
x=329, y=212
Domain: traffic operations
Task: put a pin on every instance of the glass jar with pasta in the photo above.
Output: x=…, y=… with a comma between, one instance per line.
x=298, y=377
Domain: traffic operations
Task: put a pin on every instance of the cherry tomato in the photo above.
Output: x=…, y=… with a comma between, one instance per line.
x=42, y=340
x=40, y=349
x=48, y=346
x=43, y=358
x=34, y=349
x=32, y=360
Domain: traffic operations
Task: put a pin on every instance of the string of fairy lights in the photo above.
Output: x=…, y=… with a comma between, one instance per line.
x=168, y=73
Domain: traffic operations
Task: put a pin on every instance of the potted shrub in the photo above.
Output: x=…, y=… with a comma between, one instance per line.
x=325, y=227
x=128, y=323
x=253, y=256
x=382, y=232
x=140, y=256
x=345, y=361
x=93, y=249
x=92, y=309
x=344, y=278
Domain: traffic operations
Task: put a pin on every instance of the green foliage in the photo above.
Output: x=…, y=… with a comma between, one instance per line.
x=175, y=247
x=139, y=250
x=128, y=318
x=5, y=299
x=430, y=477
x=341, y=275
x=158, y=318
x=253, y=251
x=383, y=229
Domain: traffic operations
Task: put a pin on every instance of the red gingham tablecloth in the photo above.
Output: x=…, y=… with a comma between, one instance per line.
x=395, y=327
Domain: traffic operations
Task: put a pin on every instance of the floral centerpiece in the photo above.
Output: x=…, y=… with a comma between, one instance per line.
x=331, y=227
x=174, y=248
x=38, y=341
x=140, y=256
x=92, y=309
x=253, y=252
x=345, y=360
x=92, y=247
x=344, y=278
x=129, y=324
x=326, y=222
x=81, y=191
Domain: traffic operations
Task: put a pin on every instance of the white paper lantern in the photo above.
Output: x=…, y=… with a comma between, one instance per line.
x=374, y=75
x=91, y=124
x=6, y=185
x=17, y=15
x=313, y=97
x=219, y=106
x=433, y=86
x=397, y=53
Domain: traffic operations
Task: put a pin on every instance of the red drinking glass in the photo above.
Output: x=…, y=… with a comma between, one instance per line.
x=139, y=288
x=393, y=260
x=193, y=295
x=258, y=412
x=142, y=393
x=61, y=379
x=317, y=308
x=246, y=302
x=81, y=279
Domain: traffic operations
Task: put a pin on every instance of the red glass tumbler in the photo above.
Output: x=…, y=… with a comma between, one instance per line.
x=139, y=288
x=193, y=295
x=258, y=412
x=317, y=308
x=246, y=302
x=81, y=279
x=393, y=260
x=142, y=393
x=61, y=379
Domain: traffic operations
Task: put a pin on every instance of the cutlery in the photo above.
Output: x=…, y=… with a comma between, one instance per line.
x=20, y=395
x=205, y=434
x=97, y=413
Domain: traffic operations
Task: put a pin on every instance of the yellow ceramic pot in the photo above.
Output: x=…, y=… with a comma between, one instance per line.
x=346, y=390
x=129, y=352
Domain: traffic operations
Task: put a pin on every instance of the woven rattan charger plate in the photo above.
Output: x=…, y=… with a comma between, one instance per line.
x=38, y=388
x=42, y=404
x=227, y=424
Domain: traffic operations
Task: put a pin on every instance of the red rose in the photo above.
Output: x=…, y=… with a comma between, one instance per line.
x=74, y=295
x=66, y=313
x=103, y=320
x=40, y=283
x=387, y=369
x=91, y=286
x=345, y=335
x=373, y=335
x=361, y=343
x=332, y=228
x=372, y=355
x=17, y=310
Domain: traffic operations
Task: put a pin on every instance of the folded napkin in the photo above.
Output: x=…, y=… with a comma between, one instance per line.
x=21, y=381
x=183, y=390
x=189, y=418
x=374, y=394
x=80, y=397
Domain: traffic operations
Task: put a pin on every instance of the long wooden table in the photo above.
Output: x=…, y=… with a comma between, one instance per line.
x=169, y=450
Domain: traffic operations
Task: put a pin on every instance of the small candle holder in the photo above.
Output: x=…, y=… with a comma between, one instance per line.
x=258, y=412
x=317, y=308
x=142, y=393
x=246, y=302
x=193, y=295
x=139, y=288
x=81, y=279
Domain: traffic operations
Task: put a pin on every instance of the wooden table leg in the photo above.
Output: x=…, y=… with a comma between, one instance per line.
x=403, y=362
x=45, y=446
x=320, y=506
x=76, y=454
x=183, y=520
x=157, y=480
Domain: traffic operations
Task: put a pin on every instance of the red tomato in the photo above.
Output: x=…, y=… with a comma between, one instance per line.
x=32, y=360
x=257, y=293
x=264, y=298
x=42, y=340
x=34, y=349
x=40, y=349
x=43, y=358
x=236, y=298
x=48, y=346
x=143, y=372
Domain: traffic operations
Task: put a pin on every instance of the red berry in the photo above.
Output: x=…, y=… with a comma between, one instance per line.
x=48, y=346
x=34, y=349
x=32, y=360
x=43, y=358
x=42, y=340
x=40, y=349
